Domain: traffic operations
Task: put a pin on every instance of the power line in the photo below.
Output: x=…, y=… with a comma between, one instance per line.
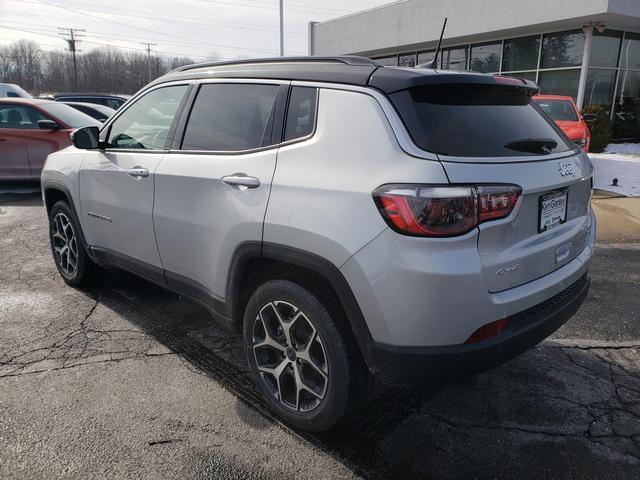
x=180, y=19
x=174, y=54
x=71, y=35
x=151, y=31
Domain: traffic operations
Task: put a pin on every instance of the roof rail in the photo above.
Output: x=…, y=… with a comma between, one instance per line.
x=345, y=59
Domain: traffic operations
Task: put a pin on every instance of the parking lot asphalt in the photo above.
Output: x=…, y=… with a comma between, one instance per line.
x=127, y=380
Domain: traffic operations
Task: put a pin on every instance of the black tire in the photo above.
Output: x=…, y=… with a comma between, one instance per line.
x=85, y=271
x=341, y=370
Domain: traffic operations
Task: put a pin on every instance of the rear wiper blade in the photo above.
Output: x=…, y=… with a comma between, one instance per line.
x=532, y=145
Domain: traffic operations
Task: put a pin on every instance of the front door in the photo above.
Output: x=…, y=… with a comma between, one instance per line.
x=211, y=196
x=117, y=184
x=15, y=125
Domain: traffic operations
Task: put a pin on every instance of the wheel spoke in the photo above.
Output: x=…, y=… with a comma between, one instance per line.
x=306, y=356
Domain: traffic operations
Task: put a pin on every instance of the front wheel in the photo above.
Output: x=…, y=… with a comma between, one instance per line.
x=73, y=263
x=297, y=355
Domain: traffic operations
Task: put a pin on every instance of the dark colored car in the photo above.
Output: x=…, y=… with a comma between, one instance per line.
x=108, y=100
x=31, y=129
x=99, y=112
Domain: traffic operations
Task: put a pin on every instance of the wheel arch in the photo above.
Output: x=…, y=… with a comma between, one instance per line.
x=255, y=263
x=54, y=191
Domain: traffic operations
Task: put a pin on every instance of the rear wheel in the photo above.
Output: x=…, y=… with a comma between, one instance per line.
x=73, y=263
x=297, y=355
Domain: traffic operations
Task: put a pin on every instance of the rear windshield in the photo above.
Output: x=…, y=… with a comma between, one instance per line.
x=558, y=110
x=70, y=116
x=472, y=120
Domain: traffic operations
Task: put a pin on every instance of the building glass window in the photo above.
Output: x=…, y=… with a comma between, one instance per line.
x=526, y=75
x=560, y=82
x=562, y=49
x=426, y=56
x=520, y=54
x=630, y=55
x=408, y=60
x=626, y=115
x=391, y=61
x=605, y=48
x=486, y=58
x=454, y=59
x=599, y=87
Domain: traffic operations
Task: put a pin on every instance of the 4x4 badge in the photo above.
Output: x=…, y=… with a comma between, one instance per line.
x=566, y=169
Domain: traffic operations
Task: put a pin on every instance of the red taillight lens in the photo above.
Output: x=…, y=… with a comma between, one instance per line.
x=443, y=211
x=427, y=211
x=496, y=201
x=487, y=331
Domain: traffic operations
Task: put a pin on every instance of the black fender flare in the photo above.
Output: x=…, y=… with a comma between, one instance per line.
x=320, y=266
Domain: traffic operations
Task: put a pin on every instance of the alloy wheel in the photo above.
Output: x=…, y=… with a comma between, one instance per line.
x=65, y=244
x=290, y=356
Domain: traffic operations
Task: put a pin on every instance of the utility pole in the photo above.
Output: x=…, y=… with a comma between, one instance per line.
x=149, y=45
x=281, y=28
x=71, y=36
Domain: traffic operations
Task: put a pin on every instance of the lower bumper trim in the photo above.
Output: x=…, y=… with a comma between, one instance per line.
x=419, y=365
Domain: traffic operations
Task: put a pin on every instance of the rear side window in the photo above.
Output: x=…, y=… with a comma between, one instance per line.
x=474, y=120
x=231, y=117
x=301, y=114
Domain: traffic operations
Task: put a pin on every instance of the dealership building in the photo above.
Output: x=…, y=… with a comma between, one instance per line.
x=588, y=49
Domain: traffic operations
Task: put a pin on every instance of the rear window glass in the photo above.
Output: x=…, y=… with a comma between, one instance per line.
x=473, y=120
x=231, y=117
x=68, y=115
x=558, y=110
x=301, y=114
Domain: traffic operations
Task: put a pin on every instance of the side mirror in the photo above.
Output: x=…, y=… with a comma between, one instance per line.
x=589, y=117
x=86, y=138
x=48, y=125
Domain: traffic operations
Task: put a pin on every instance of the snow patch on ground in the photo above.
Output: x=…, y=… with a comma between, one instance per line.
x=624, y=148
x=623, y=166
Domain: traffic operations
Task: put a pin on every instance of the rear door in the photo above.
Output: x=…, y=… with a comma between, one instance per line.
x=495, y=134
x=212, y=190
x=117, y=184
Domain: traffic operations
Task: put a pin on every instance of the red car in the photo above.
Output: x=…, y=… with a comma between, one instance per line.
x=565, y=113
x=31, y=129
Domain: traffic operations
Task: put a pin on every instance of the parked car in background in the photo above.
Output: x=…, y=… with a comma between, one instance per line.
x=13, y=91
x=31, y=129
x=565, y=113
x=99, y=112
x=109, y=100
x=353, y=220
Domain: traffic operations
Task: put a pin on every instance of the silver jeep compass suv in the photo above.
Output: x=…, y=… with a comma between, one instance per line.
x=352, y=220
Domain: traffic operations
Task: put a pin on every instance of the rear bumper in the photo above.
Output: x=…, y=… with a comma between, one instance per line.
x=416, y=365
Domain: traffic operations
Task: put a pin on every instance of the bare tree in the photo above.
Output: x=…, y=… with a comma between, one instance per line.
x=105, y=69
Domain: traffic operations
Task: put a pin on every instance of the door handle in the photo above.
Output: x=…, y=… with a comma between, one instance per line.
x=241, y=180
x=138, y=172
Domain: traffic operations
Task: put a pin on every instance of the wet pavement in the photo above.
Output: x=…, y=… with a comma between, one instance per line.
x=128, y=380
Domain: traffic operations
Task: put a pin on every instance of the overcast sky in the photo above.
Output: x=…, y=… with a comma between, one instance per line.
x=195, y=28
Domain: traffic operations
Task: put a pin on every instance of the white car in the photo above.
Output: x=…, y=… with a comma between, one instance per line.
x=13, y=90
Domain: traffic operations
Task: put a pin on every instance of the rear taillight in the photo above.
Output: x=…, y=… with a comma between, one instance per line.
x=443, y=211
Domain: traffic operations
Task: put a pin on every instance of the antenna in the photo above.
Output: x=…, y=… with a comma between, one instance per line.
x=434, y=63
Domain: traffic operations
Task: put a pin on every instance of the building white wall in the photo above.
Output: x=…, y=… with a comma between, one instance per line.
x=416, y=24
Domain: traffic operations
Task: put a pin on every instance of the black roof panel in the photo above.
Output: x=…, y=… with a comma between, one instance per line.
x=350, y=70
